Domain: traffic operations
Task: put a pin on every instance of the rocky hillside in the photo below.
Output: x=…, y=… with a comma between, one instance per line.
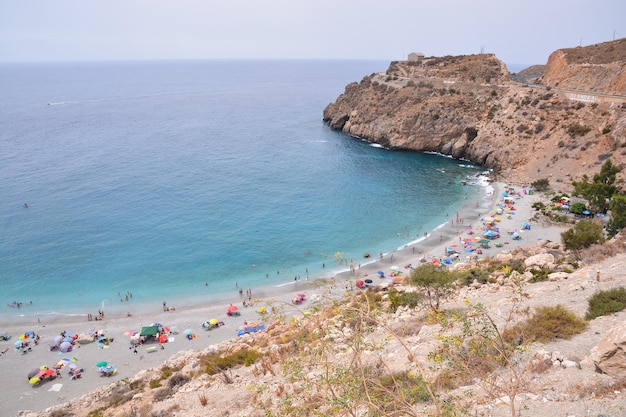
x=360, y=357
x=599, y=68
x=468, y=107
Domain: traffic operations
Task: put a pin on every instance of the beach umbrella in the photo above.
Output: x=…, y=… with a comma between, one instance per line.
x=360, y=283
x=586, y=212
x=368, y=281
x=262, y=310
x=162, y=338
x=33, y=372
x=301, y=295
x=33, y=380
x=232, y=308
x=187, y=332
x=102, y=364
x=213, y=322
x=57, y=340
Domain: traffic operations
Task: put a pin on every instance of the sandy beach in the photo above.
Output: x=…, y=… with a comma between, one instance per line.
x=17, y=394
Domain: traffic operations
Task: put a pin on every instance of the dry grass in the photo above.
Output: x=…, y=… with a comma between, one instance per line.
x=598, y=253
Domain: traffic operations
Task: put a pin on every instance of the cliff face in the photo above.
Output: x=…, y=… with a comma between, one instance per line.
x=598, y=68
x=469, y=108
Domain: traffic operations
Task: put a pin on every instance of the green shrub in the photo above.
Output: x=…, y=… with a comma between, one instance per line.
x=467, y=277
x=539, y=275
x=606, y=302
x=577, y=129
x=541, y=185
x=583, y=235
x=408, y=299
x=547, y=324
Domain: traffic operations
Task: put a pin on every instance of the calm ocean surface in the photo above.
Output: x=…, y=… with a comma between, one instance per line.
x=159, y=177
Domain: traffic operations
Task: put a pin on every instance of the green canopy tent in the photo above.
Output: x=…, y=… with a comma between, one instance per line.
x=149, y=331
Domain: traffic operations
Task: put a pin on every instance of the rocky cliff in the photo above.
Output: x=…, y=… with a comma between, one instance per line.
x=470, y=108
x=598, y=68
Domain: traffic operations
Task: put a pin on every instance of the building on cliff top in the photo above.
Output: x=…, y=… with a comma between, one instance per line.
x=415, y=56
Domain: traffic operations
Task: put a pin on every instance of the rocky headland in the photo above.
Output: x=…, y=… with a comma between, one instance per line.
x=559, y=124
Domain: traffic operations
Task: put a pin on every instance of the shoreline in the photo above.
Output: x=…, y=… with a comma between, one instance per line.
x=202, y=296
x=21, y=395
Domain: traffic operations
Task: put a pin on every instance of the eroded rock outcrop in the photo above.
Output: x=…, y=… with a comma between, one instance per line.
x=609, y=356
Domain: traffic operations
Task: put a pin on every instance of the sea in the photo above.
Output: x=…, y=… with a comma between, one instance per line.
x=184, y=181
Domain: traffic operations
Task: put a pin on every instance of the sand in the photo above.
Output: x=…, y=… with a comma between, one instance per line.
x=17, y=394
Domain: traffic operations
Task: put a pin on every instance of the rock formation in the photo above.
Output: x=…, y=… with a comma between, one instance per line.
x=470, y=108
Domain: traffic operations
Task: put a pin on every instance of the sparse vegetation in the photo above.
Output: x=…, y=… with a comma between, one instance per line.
x=214, y=364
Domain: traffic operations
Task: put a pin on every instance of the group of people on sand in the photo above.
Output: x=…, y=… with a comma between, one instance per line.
x=166, y=308
x=100, y=316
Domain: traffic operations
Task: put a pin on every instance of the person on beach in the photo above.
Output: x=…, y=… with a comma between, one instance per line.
x=164, y=306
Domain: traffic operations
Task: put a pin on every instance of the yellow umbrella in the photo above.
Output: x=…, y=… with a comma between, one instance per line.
x=213, y=321
x=262, y=309
x=33, y=380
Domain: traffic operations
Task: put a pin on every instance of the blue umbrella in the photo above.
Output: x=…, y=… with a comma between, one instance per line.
x=586, y=212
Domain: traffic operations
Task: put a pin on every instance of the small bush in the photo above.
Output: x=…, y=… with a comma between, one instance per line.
x=541, y=185
x=178, y=380
x=467, y=277
x=547, y=324
x=162, y=394
x=539, y=275
x=577, y=129
x=584, y=234
x=603, y=303
x=409, y=299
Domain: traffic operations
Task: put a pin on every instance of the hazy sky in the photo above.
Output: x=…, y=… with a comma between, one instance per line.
x=518, y=32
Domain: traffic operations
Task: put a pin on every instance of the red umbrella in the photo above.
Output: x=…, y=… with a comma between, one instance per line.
x=360, y=283
x=232, y=308
x=301, y=295
x=162, y=338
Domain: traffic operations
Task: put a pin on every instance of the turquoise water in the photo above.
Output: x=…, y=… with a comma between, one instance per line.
x=178, y=180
